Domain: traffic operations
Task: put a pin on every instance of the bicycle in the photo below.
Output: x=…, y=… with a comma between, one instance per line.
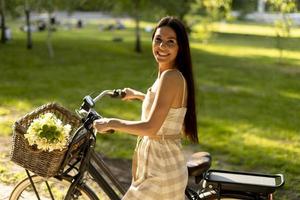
x=83, y=165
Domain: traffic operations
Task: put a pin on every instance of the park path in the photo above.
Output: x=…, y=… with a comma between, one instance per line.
x=5, y=189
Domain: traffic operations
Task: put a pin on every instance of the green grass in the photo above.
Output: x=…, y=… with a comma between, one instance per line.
x=248, y=103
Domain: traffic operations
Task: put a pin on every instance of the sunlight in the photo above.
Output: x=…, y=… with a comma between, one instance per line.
x=250, y=29
x=291, y=95
x=10, y=112
x=276, y=145
x=244, y=51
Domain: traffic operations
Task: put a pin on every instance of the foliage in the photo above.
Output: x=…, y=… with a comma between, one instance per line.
x=96, y=5
x=179, y=8
x=244, y=8
x=282, y=6
x=284, y=24
x=210, y=11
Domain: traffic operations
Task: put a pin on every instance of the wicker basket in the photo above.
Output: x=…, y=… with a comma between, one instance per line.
x=42, y=163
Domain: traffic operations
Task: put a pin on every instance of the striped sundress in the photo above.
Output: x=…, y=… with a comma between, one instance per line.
x=159, y=167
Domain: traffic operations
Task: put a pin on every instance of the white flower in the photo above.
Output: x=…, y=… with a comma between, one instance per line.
x=48, y=133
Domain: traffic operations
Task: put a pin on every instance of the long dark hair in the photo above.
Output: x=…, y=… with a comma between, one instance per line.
x=184, y=65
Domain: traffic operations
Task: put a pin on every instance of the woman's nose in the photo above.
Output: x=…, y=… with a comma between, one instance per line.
x=162, y=45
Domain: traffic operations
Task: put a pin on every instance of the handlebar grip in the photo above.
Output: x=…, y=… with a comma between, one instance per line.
x=118, y=93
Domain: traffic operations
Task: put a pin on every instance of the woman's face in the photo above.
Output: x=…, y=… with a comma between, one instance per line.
x=165, y=46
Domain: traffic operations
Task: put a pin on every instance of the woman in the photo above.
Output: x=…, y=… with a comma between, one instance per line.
x=159, y=167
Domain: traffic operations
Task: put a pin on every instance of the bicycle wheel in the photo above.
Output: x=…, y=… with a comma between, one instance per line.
x=25, y=191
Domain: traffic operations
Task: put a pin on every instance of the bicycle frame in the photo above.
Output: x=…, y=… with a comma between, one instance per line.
x=94, y=164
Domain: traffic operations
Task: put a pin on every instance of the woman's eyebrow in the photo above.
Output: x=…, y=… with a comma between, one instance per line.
x=170, y=37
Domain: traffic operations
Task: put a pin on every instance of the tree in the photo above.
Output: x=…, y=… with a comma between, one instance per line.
x=284, y=24
x=245, y=7
x=135, y=9
x=50, y=6
x=211, y=11
x=13, y=8
x=27, y=9
x=3, y=27
x=5, y=8
x=139, y=9
x=178, y=8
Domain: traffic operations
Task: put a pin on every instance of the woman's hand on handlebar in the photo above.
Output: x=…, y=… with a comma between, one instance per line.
x=101, y=126
x=132, y=94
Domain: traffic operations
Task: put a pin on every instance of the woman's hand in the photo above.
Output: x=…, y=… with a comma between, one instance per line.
x=102, y=125
x=132, y=94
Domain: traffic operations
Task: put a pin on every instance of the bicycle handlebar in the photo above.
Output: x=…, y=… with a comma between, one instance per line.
x=86, y=111
x=89, y=102
x=112, y=93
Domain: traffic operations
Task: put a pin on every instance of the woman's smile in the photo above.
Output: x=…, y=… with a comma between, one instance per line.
x=162, y=54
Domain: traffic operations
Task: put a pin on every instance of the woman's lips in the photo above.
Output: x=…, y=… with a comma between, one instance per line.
x=161, y=54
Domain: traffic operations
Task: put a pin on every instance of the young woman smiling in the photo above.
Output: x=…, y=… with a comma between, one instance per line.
x=168, y=113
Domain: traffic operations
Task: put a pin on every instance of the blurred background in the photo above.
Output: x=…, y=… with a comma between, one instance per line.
x=246, y=59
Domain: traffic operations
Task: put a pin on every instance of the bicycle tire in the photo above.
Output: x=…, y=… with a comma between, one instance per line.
x=24, y=189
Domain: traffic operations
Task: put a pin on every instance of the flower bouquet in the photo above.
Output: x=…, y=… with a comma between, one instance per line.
x=48, y=133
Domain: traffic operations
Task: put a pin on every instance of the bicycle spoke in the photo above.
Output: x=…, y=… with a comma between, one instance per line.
x=49, y=189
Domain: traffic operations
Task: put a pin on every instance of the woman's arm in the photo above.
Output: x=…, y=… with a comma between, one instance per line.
x=133, y=94
x=169, y=85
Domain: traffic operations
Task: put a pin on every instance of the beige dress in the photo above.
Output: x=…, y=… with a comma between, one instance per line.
x=159, y=166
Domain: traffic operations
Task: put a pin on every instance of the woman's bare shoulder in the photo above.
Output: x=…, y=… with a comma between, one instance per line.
x=172, y=77
x=171, y=74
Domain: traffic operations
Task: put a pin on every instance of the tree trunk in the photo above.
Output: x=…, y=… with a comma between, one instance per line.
x=261, y=4
x=2, y=13
x=138, y=47
x=29, y=39
x=49, y=36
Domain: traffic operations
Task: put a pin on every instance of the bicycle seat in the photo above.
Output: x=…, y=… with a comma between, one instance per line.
x=198, y=163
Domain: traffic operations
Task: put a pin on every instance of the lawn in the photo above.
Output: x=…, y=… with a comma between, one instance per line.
x=248, y=102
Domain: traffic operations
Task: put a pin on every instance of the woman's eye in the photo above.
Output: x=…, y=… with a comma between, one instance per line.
x=157, y=40
x=171, y=42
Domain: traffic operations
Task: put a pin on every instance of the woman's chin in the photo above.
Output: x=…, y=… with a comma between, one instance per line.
x=161, y=60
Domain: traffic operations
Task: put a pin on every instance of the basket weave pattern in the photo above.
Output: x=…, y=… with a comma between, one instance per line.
x=42, y=163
